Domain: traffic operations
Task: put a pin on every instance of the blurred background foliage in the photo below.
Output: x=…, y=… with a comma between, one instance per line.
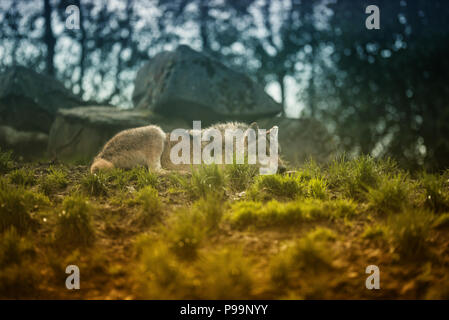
x=381, y=92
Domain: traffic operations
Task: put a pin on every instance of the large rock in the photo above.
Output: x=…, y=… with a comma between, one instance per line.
x=29, y=100
x=28, y=105
x=193, y=86
x=78, y=134
x=302, y=139
x=28, y=144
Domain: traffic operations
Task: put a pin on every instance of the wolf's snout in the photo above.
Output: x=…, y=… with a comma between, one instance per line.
x=282, y=169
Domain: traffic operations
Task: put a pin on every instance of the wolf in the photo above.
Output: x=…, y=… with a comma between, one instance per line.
x=137, y=147
x=151, y=147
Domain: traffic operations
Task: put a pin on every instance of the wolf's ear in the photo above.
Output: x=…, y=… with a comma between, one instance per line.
x=194, y=131
x=191, y=136
x=275, y=128
x=254, y=126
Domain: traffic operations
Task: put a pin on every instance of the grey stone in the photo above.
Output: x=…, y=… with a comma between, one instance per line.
x=28, y=144
x=78, y=134
x=193, y=86
x=29, y=100
x=302, y=139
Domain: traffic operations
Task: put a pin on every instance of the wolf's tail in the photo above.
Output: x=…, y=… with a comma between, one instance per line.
x=100, y=164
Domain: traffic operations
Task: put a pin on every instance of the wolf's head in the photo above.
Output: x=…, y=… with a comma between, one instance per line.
x=265, y=144
x=234, y=142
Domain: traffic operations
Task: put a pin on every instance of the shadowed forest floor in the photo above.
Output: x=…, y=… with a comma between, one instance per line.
x=213, y=234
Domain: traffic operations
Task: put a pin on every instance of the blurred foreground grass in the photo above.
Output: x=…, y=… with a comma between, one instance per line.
x=224, y=234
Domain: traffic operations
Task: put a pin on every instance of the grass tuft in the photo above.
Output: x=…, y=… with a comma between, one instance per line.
x=226, y=274
x=18, y=277
x=16, y=204
x=6, y=162
x=94, y=184
x=183, y=233
x=393, y=194
x=23, y=177
x=240, y=176
x=442, y=222
x=150, y=205
x=317, y=189
x=159, y=275
x=221, y=274
x=211, y=209
x=54, y=181
x=207, y=179
x=74, y=224
x=310, y=253
x=145, y=178
x=354, y=177
x=14, y=248
x=375, y=232
x=409, y=231
x=437, y=191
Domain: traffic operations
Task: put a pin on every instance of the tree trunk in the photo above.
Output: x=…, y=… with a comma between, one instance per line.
x=82, y=42
x=311, y=89
x=281, y=78
x=203, y=21
x=49, y=39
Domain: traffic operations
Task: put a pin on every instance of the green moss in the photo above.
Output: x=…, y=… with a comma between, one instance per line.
x=280, y=186
x=274, y=213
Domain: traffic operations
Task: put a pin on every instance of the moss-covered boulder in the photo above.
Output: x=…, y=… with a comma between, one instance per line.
x=188, y=84
x=29, y=102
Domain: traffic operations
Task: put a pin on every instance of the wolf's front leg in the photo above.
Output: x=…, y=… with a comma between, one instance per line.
x=155, y=165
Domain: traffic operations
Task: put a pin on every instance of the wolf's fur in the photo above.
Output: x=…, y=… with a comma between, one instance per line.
x=150, y=147
x=131, y=148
